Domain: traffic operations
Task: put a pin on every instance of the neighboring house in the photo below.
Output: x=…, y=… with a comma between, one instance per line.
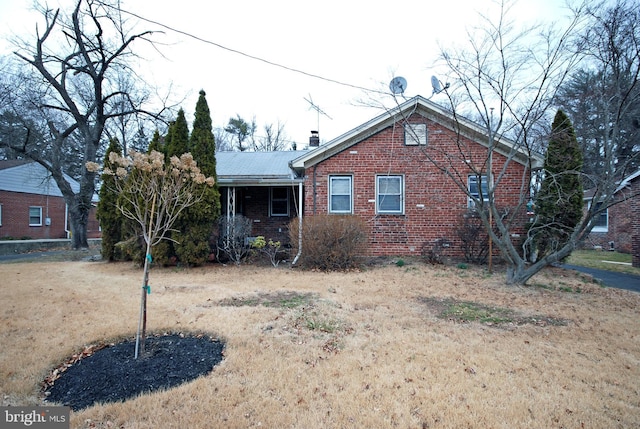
x=618, y=226
x=32, y=206
x=379, y=172
x=634, y=185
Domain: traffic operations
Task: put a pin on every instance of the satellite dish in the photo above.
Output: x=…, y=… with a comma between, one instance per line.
x=435, y=83
x=398, y=85
x=437, y=86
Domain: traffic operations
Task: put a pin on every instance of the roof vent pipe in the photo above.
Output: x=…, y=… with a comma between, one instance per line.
x=314, y=140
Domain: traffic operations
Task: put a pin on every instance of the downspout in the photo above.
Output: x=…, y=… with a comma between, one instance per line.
x=66, y=220
x=315, y=167
x=300, y=208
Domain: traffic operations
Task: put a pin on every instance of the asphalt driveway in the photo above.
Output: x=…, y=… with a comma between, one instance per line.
x=610, y=278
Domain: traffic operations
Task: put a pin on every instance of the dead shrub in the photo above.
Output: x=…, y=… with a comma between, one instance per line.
x=329, y=242
x=474, y=238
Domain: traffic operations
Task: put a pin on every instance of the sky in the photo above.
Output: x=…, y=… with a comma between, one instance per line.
x=335, y=55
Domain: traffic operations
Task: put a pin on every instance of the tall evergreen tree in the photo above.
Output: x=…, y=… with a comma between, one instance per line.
x=156, y=143
x=177, y=141
x=107, y=212
x=559, y=202
x=197, y=222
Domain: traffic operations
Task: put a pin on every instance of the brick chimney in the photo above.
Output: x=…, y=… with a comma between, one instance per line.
x=314, y=140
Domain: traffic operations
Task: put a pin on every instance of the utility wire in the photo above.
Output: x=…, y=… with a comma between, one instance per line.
x=253, y=57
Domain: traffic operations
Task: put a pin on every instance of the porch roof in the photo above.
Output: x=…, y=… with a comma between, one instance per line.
x=256, y=168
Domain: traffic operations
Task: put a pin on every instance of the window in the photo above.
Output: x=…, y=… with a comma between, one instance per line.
x=475, y=191
x=279, y=204
x=0, y=214
x=340, y=194
x=35, y=216
x=390, y=195
x=415, y=134
x=602, y=219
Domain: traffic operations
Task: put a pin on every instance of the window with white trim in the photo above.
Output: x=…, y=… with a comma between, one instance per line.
x=340, y=194
x=415, y=134
x=279, y=202
x=602, y=219
x=0, y=214
x=477, y=190
x=389, y=194
x=35, y=216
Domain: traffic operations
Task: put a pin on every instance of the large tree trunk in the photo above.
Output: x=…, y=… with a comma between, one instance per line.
x=519, y=273
x=78, y=221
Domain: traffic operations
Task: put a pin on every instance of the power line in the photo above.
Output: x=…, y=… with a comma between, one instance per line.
x=244, y=54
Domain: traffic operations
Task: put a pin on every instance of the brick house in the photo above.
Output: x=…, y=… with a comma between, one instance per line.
x=262, y=187
x=634, y=185
x=31, y=204
x=377, y=171
x=618, y=227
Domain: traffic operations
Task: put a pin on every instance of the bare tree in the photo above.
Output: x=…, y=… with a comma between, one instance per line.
x=603, y=95
x=274, y=138
x=222, y=139
x=508, y=80
x=131, y=130
x=153, y=194
x=76, y=60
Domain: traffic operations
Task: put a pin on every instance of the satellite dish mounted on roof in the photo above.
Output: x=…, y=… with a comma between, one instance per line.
x=398, y=85
x=437, y=85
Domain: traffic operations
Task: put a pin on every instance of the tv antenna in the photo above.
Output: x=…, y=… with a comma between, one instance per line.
x=437, y=85
x=317, y=109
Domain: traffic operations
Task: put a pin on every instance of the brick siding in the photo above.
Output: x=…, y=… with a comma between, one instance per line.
x=253, y=203
x=15, y=217
x=619, y=229
x=433, y=204
x=634, y=214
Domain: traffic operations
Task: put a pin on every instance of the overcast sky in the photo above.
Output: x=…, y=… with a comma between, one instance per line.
x=347, y=45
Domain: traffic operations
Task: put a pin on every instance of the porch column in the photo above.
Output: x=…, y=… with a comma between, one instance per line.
x=231, y=211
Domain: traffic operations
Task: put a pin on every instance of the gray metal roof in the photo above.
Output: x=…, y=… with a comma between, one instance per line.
x=256, y=168
x=30, y=178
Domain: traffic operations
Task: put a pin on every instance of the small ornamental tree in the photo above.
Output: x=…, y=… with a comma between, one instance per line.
x=559, y=201
x=107, y=213
x=153, y=194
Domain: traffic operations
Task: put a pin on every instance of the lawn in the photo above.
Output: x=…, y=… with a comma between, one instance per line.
x=416, y=346
x=603, y=260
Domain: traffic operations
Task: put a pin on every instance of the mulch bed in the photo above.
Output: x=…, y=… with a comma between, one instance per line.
x=111, y=374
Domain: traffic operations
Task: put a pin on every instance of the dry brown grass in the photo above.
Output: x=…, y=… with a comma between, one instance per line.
x=366, y=350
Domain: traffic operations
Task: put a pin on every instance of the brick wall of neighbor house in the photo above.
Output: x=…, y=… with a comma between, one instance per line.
x=635, y=227
x=618, y=231
x=434, y=204
x=15, y=217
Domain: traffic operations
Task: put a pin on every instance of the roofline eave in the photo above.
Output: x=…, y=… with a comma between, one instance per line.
x=430, y=110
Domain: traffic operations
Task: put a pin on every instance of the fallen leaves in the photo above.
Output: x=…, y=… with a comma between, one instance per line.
x=72, y=360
